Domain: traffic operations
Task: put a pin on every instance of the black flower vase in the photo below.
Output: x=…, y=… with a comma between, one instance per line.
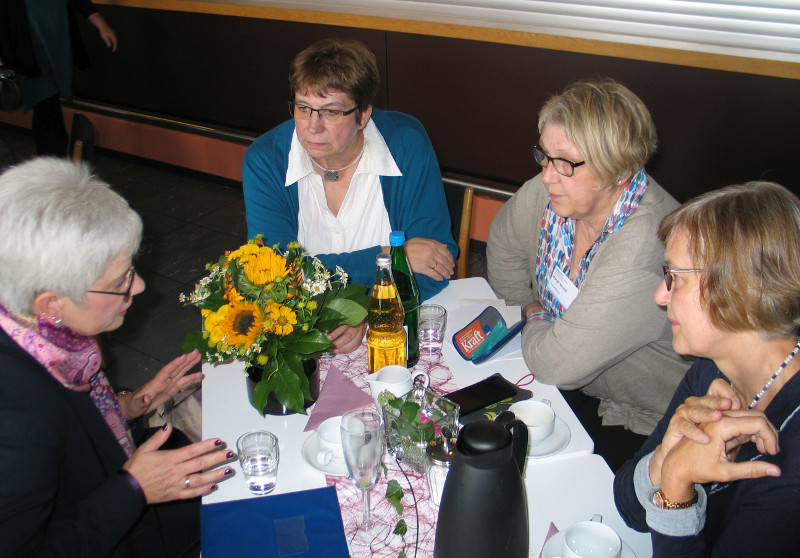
x=273, y=406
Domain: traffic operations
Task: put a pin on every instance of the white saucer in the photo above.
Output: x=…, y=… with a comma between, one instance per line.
x=552, y=548
x=554, y=443
x=336, y=467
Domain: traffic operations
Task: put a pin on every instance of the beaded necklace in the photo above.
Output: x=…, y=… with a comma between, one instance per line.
x=775, y=375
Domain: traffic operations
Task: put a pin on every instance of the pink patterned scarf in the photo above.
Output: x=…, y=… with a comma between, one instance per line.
x=73, y=360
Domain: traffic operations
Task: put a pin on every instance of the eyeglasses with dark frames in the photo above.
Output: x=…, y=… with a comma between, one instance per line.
x=669, y=274
x=126, y=294
x=304, y=112
x=564, y=167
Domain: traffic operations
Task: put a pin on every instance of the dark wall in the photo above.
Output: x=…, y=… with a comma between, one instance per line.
x=478, y=101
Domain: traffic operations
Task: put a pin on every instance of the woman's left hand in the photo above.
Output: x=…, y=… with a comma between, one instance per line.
x=107, y=34
x=162, y=387
x=689, y=462
x=430, y=257
x=347, y=339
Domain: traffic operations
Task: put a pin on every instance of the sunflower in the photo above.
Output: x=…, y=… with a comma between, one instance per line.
x=241, y=324
x=264, y=265
x=212, y=324
x=283, y=318
x=242, y=251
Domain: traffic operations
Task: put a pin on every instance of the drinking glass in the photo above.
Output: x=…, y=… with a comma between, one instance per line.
x=259, y=456
x=362, y=443
x=432, y=323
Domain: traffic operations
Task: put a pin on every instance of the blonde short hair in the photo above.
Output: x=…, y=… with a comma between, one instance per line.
x=747, y=239
x=607, y=123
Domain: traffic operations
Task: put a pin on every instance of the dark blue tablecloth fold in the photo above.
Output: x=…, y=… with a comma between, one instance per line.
x=298, y=524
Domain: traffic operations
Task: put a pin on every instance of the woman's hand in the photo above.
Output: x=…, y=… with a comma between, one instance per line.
x=688, y=418
x=530, y=308
x=163, y=474
x=347, y=339
x=430, y=257
x=162, y=387
x=689, y=462
x=106, y=32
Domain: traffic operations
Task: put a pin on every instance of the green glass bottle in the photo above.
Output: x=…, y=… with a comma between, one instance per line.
x=409, y=293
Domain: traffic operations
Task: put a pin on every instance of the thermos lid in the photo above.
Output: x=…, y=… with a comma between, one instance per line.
x=397, y=238
x=483, y=436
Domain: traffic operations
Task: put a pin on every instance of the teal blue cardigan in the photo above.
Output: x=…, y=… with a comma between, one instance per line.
x=414, y=201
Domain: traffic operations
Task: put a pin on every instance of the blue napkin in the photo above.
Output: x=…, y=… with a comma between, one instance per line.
x=297, y=524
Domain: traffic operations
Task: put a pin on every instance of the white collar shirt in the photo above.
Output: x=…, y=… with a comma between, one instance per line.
x=362, y=221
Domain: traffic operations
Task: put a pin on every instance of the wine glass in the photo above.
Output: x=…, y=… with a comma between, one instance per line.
x=362, y=443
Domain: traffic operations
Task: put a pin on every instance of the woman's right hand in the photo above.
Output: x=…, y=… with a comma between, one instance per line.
x=162, y=474
x=686, y=421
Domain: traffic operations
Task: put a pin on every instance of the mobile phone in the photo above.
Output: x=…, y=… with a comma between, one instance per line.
x=493, y=389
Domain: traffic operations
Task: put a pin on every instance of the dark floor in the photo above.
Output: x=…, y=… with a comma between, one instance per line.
x=189, y=220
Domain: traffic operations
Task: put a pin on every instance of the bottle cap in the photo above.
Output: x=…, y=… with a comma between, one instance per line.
x=383, y=260
x=397, y=238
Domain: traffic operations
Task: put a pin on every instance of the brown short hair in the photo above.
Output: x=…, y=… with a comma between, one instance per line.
x=607, y=123
x=747, y=239
x=336, y=65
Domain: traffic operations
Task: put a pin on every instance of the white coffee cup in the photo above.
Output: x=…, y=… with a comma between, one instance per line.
x=329, y=441
x=538, y=416
x=591, y=539
x=395, y=379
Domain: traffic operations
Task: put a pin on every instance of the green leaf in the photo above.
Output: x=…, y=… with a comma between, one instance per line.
x=401, y=528
x=394, y=493
x=285, y=382
x=408, y=411
x=194, y=340
x=313, y=342
x=353, y=312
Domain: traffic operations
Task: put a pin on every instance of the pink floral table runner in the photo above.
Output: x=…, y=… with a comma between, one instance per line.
x=420, y=516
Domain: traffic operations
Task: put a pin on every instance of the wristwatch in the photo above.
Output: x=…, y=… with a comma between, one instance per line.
x=660, y=501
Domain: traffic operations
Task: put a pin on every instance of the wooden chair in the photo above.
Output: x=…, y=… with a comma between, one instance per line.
x=462, y=265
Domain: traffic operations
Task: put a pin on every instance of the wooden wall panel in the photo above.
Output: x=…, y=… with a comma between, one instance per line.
x=478, y=100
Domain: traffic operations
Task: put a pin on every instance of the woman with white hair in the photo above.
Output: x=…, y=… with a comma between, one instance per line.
x=72, y=480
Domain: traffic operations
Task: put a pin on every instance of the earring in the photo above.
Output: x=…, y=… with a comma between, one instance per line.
x=58, y=322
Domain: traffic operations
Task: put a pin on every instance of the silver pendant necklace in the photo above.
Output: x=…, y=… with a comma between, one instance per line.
x=332, y=175
x=775, y=375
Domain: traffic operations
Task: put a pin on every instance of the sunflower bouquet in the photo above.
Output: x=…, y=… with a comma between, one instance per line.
x=272, y=308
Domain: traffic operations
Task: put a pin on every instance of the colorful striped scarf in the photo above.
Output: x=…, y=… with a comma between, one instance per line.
x=557, y=238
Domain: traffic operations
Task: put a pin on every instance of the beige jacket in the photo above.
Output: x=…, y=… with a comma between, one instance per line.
x=614, y=341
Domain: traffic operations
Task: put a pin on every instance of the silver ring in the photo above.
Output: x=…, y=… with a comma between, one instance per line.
x=186, y=481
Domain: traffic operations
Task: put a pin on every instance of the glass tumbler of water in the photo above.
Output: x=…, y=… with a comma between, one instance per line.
x=259, y=456
x=432, y=323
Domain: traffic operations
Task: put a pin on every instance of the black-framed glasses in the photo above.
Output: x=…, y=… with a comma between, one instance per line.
x=126, y=294
x=669, y=274
x=564, y=167
x=304, y=112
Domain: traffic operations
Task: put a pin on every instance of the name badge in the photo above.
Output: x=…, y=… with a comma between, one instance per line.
x=562, y=288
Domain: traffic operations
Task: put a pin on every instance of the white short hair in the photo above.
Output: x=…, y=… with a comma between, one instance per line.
x=60, y=228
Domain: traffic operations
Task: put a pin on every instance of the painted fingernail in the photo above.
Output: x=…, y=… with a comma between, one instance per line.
x=228, y=471
x=213, y=488
x=230, y=455
x=218, y=443
x=166, y=425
